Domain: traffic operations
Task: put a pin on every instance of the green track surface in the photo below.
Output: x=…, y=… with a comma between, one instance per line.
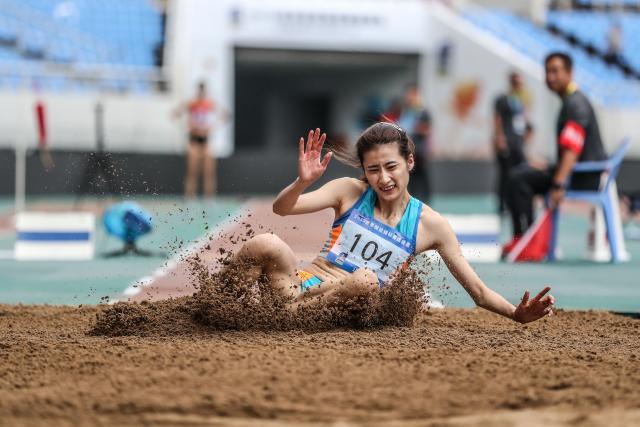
x=576, y=284
x=176, y=224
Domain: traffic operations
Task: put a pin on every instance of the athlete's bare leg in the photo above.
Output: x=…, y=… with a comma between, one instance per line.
x=193, y=170
x=362, y=282
x=209, y=184
x=275, y=259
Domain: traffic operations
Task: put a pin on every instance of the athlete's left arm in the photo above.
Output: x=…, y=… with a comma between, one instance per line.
x=442, y=238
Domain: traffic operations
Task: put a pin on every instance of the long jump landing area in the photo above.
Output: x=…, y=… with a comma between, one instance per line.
x=453, y=367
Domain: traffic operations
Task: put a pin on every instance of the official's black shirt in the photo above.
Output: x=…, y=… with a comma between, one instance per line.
x=577, y=108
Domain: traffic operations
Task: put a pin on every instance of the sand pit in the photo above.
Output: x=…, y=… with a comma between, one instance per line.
x=233, y=354
x=451, y=367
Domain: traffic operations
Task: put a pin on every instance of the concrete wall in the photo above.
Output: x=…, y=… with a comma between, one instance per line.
x=138, y=124
x=280, y=95
x=480, y=63
x=245, y=173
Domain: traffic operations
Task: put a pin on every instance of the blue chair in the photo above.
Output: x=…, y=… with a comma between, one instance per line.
x=127, y=221
x=603, y=198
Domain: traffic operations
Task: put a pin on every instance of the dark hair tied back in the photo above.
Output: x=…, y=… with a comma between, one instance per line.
x=377, y=134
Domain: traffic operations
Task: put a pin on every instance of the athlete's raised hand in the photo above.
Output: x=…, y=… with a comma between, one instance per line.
x=310, y=167
x=534, y=309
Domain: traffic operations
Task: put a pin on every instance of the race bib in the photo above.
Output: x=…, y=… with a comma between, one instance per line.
x=519, y=123
x=366, y=242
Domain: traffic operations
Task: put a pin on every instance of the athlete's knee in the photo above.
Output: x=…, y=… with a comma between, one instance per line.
x=261, y=245
x=266, y=239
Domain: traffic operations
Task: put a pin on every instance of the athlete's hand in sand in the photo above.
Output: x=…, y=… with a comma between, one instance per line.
x=533, y=309
x=310, y=168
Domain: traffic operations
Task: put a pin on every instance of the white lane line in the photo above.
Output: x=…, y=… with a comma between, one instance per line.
x=136, y=287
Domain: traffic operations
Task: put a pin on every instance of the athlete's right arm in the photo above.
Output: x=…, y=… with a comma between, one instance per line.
x=334, y=194
x=291, y=201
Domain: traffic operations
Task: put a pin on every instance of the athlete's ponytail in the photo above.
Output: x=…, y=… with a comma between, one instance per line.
x=376, y=134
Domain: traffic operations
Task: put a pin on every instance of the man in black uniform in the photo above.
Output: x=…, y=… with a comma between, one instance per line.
x=510, y=127
x=578, y=139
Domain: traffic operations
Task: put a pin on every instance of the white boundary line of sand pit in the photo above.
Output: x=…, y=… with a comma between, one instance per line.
x=135, y=287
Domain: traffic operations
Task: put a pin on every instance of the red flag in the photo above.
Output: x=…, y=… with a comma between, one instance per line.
x=42, y=125
x=534, y=244
x=45, y=154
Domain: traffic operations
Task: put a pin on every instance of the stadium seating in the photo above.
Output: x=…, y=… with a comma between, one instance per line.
x=591, y=28
x=604, y=83
x=52, y=41
x=608, y=3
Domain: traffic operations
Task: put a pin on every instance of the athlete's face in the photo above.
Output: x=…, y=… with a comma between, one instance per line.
x=516, y=81
x=202, y=91
x=557, y=76
x=387, y=171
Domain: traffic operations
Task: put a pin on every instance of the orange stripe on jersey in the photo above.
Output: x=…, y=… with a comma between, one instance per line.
x=203, y=105
x=304, y=275
x=335, y=233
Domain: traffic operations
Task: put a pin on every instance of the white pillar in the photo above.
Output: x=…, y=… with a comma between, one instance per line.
x=20, y=151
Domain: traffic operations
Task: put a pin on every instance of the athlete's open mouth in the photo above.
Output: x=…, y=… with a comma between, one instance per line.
x=388, y=187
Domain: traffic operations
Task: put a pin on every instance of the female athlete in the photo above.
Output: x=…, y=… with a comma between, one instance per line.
x=378, y=226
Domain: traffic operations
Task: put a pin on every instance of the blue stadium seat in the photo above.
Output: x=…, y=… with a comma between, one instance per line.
x=607, y=84
x=592, y=27
x=9, y=55
x=81, y=32
x=608, y=3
